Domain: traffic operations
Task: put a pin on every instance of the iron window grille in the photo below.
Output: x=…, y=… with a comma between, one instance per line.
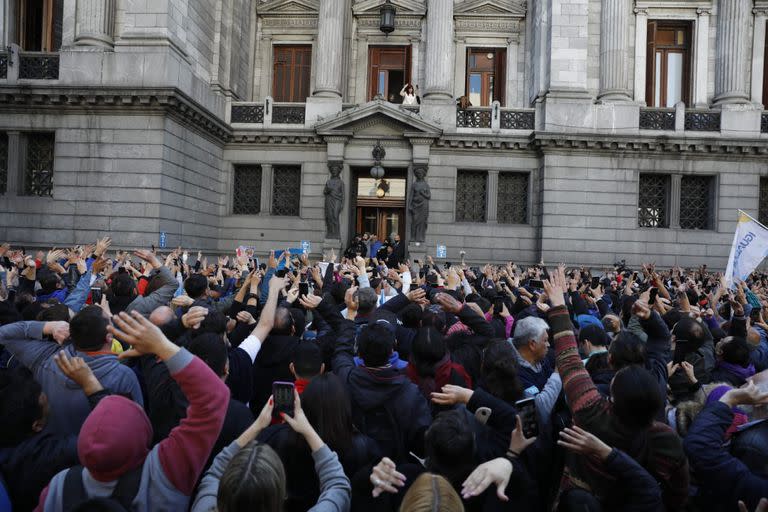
x=513, y=198
x=286, y=190
x=696, y=202
x=653, y=201
x=246, y=196
x=38, y=170
x=471, y=193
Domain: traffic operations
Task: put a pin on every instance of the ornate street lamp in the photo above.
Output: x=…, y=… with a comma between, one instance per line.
x=387, y=18
x=378, y=153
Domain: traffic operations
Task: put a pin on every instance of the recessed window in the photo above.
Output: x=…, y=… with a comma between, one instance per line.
x=471, y=195
x=389, y=69
x=668, y=71
x=486, y=75
x=292, y=66
x=512, y=198
x=246, y=196
x=696, y=201
x=653, y=203
x=40, y=25
x=286, y=190
x=38, y=168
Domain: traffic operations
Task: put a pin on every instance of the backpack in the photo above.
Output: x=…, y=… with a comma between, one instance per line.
x=379, y=424
x=75, y=497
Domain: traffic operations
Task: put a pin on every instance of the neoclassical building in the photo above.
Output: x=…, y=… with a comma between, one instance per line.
x=584, y=131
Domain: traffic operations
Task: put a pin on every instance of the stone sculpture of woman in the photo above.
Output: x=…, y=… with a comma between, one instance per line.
x=419, y=205
x=334, y=201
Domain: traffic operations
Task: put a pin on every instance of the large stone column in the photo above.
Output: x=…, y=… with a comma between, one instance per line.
x=439, y=61
x=330, y=48
x=95, y=23
x=732, y=43
x=614, y=45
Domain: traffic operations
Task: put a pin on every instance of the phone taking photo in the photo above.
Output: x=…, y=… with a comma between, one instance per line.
x=303, y=289
x=96, y=295
x=595, y=282
x=283, y=396
x=526, y=410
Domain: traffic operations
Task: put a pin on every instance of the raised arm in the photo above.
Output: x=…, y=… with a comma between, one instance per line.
x=186, y=450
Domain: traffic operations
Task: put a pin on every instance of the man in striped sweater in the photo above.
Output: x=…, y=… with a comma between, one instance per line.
x=626, y=421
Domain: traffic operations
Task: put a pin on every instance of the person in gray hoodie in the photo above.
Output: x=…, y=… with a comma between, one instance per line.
x=248, y=475
x=91, y=341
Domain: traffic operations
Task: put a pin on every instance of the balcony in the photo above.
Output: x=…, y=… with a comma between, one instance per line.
x=657, y=119
x=38, y=66
x=496, y=118
x=268, y=113
x=680, y=119
x=3, y=66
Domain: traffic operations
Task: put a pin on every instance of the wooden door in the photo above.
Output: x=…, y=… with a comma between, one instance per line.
x=389, y=69
x=292, y=66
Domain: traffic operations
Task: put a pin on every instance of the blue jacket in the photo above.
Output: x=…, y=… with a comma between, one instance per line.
x=723, y=479
x=68, y=404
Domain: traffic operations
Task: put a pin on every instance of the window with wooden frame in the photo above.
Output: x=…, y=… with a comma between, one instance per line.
x=292, y=66
x=39, y=25
x=486, y=75
x=389, y=69
x=668, y=72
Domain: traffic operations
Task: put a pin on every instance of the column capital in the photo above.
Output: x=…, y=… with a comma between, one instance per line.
x=640, y=11
x=760, y=11
x=704, y=11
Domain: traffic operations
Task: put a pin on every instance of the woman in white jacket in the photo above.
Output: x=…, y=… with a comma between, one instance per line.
x=408, y=95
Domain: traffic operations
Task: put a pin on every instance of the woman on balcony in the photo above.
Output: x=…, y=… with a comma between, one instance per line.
x=409, y=96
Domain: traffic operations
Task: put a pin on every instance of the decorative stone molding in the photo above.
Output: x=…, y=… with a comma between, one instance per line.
x=301, y=14
x=666, y=146
x=169, y=100
x=497, y=16
x=409, y=18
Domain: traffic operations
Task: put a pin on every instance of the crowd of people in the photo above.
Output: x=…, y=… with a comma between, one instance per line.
x=141, y=381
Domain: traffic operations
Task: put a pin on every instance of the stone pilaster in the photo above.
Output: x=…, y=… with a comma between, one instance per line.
x=95, y=23
x=614, y=45
x=439, y=61
x=330, y=48
x=733, y=19
x=641, y=41
x=758, y=55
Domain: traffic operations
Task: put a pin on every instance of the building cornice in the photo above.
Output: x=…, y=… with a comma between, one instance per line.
x=648, y=146
x=168, y=100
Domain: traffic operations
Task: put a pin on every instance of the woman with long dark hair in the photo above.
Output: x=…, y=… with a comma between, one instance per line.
x=328, y=408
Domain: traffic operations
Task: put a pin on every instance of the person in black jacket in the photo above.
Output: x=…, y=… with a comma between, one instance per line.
x=723, y=479
x=30, y=456
x=386, y=405
x=326, y=403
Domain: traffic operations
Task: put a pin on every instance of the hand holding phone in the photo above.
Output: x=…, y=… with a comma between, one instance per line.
x=96, y=295
x=526, y=410
x=283, y=395
x=303, y=289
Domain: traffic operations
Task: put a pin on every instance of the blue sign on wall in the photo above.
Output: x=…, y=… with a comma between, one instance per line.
x=306, y=246
x=163, y=239
x=442, y=251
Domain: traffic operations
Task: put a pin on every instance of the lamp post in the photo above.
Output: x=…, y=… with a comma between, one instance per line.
x=387, y=18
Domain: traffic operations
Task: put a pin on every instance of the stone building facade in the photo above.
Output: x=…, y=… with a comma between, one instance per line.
x=598, y=129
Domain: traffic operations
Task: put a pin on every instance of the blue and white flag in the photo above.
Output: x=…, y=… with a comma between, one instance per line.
x=750, y=247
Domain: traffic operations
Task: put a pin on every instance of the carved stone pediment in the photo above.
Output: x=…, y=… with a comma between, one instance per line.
x=378, y=119
x=288, y=7
x=410, y=14
x=404, y=7
x=506, y=8
x=503, y=17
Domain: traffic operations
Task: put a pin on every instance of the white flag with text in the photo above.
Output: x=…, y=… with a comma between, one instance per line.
x=750, y=247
